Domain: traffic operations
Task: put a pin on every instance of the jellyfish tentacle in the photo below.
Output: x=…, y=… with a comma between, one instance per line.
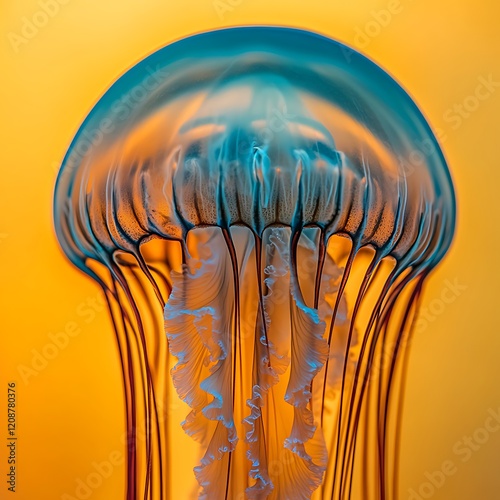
x=395, y=358
x=415, y=304
x=264, y=377
x=118, y=321
x=149, y=401
x=268, y=365
x=236, y=337
x=307, y=345
x=361, y=293
x=152, y=397
x=371, y=341
x=198, y=325
x=357, y=237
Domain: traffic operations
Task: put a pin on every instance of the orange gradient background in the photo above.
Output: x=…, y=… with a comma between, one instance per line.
x=70, y=409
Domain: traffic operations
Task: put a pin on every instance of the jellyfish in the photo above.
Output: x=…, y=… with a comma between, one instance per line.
x=261, y=207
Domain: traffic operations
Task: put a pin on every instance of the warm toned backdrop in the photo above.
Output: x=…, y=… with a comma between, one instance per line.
x=70, y=407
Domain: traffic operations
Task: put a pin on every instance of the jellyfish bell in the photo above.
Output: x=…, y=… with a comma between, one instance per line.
x=261, y=212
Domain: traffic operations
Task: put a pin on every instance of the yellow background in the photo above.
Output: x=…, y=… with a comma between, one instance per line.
x=70, y=414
